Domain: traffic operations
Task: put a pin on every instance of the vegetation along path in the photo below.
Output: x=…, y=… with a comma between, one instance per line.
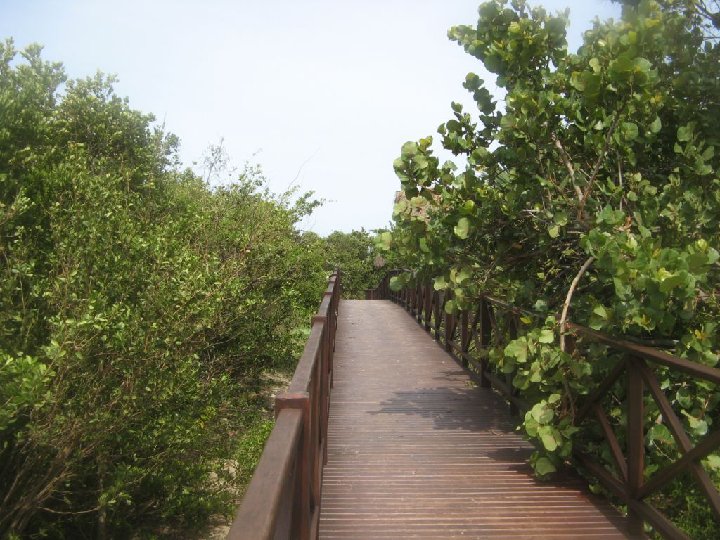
x=415, y=449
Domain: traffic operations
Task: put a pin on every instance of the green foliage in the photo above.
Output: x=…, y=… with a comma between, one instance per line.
x=251, y=446
x=601, y=167
x=139, y=308
x=354, y=253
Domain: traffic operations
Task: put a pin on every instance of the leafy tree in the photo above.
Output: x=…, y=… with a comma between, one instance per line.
x=354, y=253
x=139, y=308
x=593, y=192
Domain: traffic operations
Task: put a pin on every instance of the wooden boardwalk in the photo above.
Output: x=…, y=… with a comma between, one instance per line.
x=415, y=449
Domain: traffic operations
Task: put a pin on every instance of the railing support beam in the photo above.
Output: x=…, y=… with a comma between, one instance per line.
x=635, y=443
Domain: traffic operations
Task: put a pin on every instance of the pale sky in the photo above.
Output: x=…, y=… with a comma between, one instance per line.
x=325, y=91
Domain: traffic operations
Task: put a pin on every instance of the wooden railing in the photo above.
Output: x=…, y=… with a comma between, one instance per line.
x=492, y=323
x=283, y=498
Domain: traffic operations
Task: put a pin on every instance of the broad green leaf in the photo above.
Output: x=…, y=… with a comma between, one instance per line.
x=472, y=82
x=546, y=336
x=542, y=413
x=554, y=231
x=642, y=65
x=673, y=280
x=684, y=398
x=409, y=149
x=656, y=125
x=610, y=216
x=517, y=349
x=461, y=275
x=713, y=256
x=659, y=432
x=544, y=466
x=385, y=240
x=462, y=229
x=396, y=283
x=629, y=131
x=548, y=438
x=621, y=66
x=684, y=133
x=698, y=425
x=400, y=207
x=713, y=461
x=697, y=262
x=577, y=81
x=425, y=143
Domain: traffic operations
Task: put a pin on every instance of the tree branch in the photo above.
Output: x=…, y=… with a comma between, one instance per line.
x=565, y=157
x=598, y=163
x=568, y=299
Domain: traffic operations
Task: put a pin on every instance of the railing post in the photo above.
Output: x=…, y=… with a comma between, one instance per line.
x=464, y=337
x=449, y=328
x=485, y=335
x=428, y=301
x=449, y=331
x=438, y=305
x=419, y=300
x=303, y=498
x=325, y=374
x=635, y=442
x=511, y=321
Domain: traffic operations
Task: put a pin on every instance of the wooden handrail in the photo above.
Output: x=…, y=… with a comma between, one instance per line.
x=267, y=503
x=283, y=498
x=491, y=323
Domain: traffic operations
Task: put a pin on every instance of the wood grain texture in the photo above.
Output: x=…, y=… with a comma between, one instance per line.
x=416, y=450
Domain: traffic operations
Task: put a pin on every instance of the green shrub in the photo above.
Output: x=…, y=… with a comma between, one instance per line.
x=139, y=307
x=354, y=253
x=594, y=191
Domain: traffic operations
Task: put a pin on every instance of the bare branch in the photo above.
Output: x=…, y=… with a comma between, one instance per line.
x=568, y=299
x=598, y=162
x=565, y=157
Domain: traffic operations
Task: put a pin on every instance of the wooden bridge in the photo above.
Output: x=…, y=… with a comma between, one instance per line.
x=410, y=443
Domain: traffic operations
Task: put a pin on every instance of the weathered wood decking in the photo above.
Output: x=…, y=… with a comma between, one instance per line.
x=415, y=449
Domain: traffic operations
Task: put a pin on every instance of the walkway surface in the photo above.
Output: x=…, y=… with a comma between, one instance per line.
x=416, y=450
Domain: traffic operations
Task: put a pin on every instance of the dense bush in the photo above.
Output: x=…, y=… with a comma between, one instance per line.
x=138, y=309
x=599, y=169
x=354, y=253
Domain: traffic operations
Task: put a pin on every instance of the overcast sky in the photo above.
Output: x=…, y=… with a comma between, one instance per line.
x=323, y=90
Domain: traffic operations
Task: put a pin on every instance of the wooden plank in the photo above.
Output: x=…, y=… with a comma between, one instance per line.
x=416, y=450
